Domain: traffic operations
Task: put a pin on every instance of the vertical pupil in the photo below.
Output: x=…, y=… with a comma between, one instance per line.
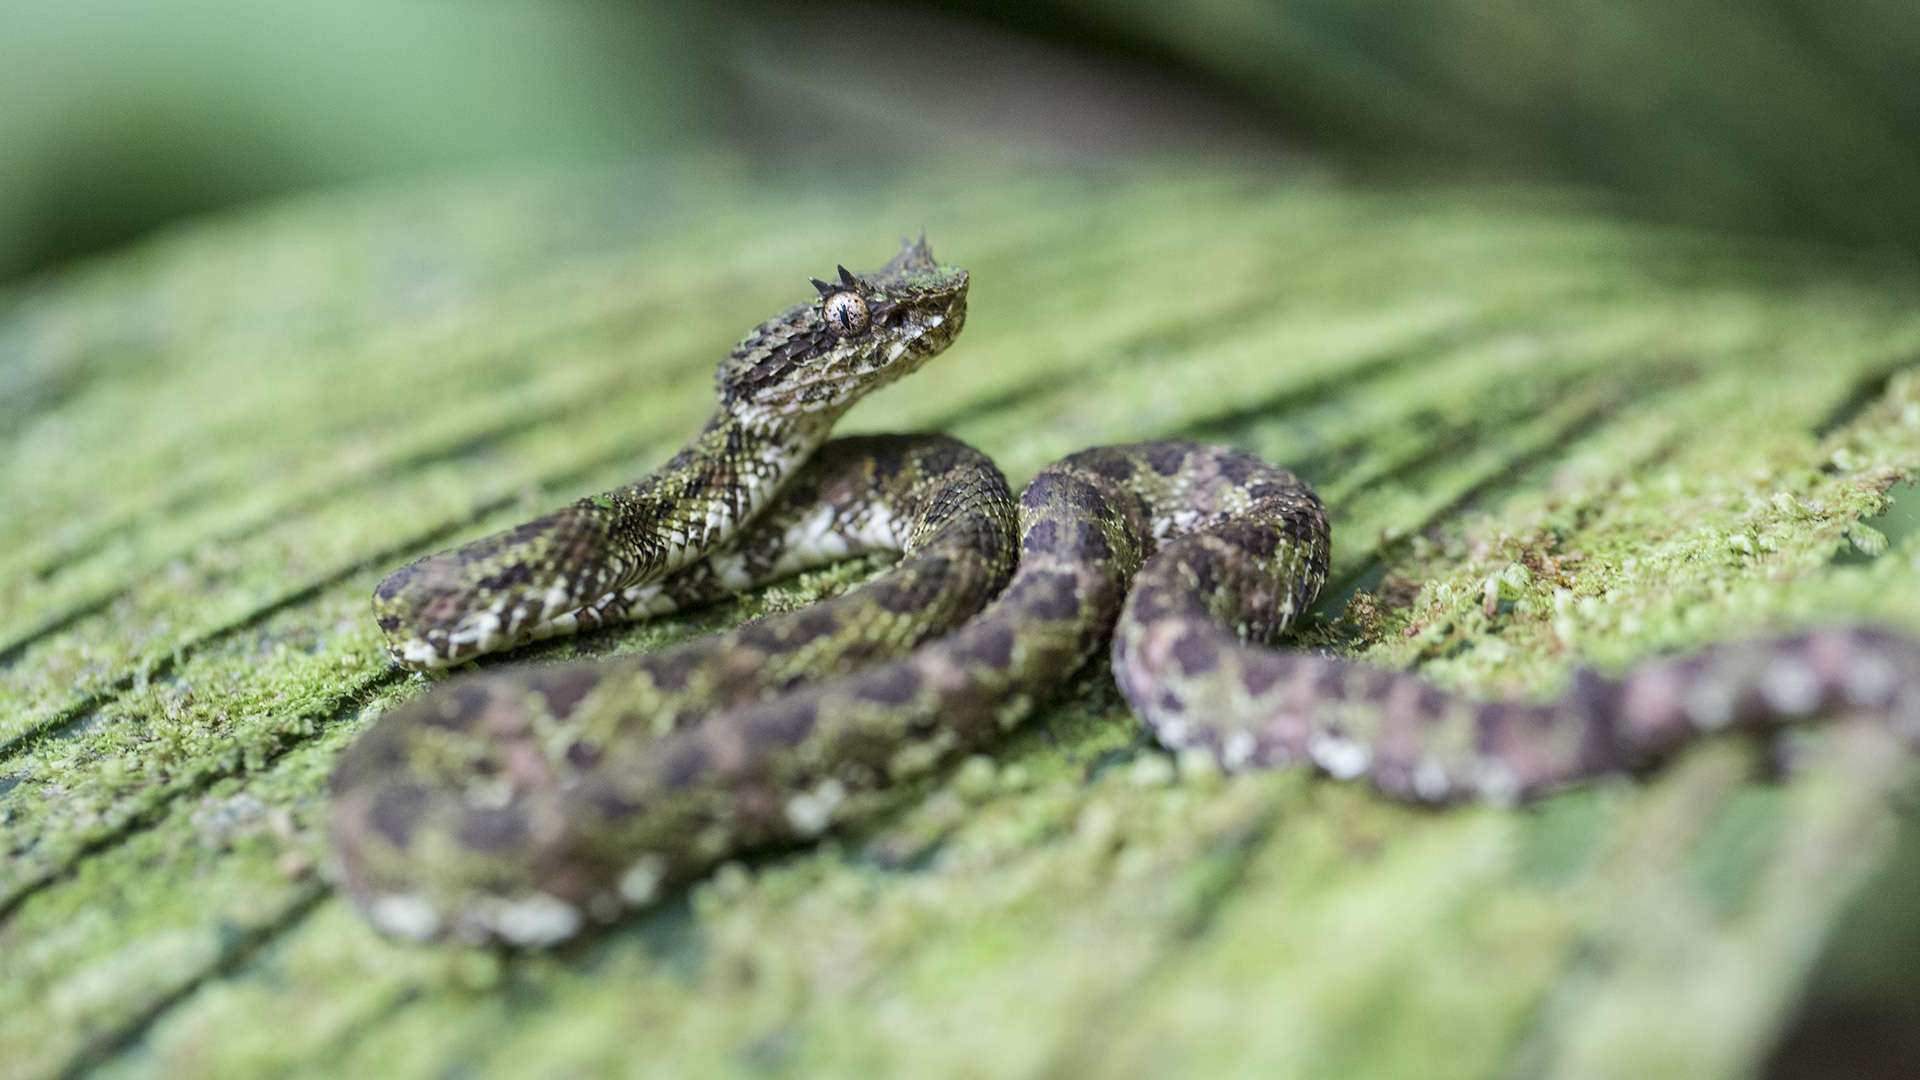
x=845, y=312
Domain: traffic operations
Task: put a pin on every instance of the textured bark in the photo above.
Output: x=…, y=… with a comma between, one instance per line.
x=1545, y=436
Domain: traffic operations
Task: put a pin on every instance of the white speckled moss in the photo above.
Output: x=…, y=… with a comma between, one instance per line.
x=1543, y=436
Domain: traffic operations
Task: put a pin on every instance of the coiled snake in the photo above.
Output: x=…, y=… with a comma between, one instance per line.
x=522, y=805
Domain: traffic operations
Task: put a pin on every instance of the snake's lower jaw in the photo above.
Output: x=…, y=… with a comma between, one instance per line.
x=417, y=654
x=423, y=652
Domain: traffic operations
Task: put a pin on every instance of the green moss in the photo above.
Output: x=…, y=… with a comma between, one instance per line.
x=1546, y=438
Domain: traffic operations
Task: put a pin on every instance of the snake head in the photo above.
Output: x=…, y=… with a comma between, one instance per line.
x=859, y=333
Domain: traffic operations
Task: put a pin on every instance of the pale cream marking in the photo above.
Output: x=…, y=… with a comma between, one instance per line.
x=405, y=915
x=1238, y=750
x=1791, y=687
x=1342, y=758
x=640, y=885
x=421, y=653
x=1430, y=780
x=1496, y=783
x=811, y=812
x=1173, y=732
x=537, y=920
x=1709, y=704
x=475, y=628
x=1870, y=678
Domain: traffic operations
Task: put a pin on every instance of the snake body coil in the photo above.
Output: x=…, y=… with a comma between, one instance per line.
x=522, y=804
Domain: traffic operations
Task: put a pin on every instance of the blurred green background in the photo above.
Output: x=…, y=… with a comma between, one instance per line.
x=1793, y=117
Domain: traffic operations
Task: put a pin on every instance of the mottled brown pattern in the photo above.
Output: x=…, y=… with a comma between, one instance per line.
x=523, y=806
x=1175, y=660
x=780, y=391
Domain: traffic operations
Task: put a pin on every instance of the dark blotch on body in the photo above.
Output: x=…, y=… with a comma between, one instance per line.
x=894, y=685
x=814, y=623
x=1166, y=458
x=609, y=804
x=456, y=707
x=1330, y=680
x=1042, y=539
x=1497, y=728
x=936, y=459
x=763, y=636
x=887, y=464
x=1050, y=489
x=562, y=690
x=1048, y=595
x=1260, y=673
x=991, y=645
x=492, y=829
x=396, y=810
x=1093, y=541
x=906, y=592
x=1594, y=700
x=381, y=749
x=1254, y=538
x=1151, y=603
x=1195, y=654
x=516, y=574
x=671, y=669
x=684, y=765
x=785, y=723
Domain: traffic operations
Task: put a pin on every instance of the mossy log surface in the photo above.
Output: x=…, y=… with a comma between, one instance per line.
x=1546, y=437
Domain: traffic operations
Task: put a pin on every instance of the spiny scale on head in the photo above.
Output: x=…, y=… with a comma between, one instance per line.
x=524, y=805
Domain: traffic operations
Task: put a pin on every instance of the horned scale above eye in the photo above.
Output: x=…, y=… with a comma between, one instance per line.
x=522, y=804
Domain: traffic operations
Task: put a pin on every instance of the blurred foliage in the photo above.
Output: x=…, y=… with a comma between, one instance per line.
x=118, y=116
x=1797, y=117
x=1791, y=116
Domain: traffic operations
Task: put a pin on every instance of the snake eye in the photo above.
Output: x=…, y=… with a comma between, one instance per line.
x=845, y=313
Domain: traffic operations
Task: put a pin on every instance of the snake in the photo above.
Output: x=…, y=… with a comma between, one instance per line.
x=523, y=805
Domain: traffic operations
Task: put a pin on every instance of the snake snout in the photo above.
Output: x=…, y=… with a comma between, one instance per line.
x=419, y=605
x=424, y=593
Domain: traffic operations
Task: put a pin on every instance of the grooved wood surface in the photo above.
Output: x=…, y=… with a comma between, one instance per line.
x=1545, y=436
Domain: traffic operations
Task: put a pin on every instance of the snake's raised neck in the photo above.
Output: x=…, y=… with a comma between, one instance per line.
x=780, y=391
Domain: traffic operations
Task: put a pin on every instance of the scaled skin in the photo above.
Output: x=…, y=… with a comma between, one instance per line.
x=524, y=806
x=780, y=391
